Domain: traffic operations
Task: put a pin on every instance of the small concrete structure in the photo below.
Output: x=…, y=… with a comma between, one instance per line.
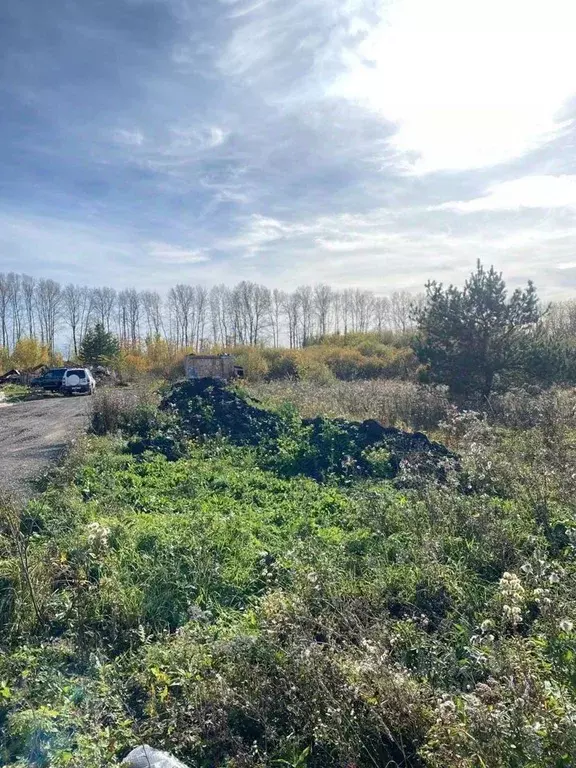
x=210, y=367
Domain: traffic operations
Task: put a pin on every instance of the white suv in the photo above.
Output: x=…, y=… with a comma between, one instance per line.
x=78, y=380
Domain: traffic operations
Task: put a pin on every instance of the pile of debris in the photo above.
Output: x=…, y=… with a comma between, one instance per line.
x=321, y=447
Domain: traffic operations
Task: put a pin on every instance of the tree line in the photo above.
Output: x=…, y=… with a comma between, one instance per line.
x=193, y=316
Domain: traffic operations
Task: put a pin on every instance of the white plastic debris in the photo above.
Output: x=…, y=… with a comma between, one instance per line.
x=148, y=757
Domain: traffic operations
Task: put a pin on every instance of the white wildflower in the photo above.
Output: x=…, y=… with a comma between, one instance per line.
x=97, y=536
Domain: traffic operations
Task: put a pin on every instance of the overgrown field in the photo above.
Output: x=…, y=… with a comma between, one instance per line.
x=246, y=589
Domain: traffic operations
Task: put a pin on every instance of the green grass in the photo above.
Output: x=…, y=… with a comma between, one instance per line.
x=242, y=619
x=14, y=393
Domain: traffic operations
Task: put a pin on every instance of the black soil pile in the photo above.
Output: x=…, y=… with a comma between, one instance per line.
x=317, y=447
x=208, y=407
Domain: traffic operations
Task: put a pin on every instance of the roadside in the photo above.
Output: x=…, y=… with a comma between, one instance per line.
x=34, y=434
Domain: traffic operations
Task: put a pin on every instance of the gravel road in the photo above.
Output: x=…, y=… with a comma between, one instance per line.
x=33, y=434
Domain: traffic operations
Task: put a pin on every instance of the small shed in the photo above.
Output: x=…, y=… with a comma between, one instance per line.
x=210, y=366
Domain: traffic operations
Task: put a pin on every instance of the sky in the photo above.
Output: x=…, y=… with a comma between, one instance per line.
x=364, y=143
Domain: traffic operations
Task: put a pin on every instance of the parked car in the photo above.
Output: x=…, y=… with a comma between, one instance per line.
x=78, y=380
x=50, y=380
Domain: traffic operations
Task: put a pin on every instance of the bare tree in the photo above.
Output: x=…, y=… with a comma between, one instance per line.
x=200, y=307
x=362, y=304
x=293, y=308
x=122, y=316
x=181, y=299
x=49, y=305
x=348, y=310
x=77, y=303
x=560, y=319
x=337, y=310
x=29, y=300
x=4, y=307
x=193, y=316
x=400, y=310
x=15, y=288
x=251, y=311
x=104, y=303
x=219, y=314
x=306, y=301
x=382, y=319
x=133, y=314
x=323, y=299
x=277, y=305
x=152, y=307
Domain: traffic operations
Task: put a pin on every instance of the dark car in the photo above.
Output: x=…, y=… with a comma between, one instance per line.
x=51, y=380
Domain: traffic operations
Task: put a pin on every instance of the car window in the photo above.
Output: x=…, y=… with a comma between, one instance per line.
x=76, y=372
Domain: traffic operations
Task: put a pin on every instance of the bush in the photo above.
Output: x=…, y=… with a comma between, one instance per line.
x=355, y=356
x=313, y=370
x=282, y=364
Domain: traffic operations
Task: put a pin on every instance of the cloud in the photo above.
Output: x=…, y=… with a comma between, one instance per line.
x=288, y=142
x=384, y=251
x=468, y=83
x=196, y=138
x=173, y=254
x=133, y=138
x=528, y=192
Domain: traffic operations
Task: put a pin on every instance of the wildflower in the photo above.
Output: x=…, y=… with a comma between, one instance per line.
x=566, y=625
x=97, y=536
x=512, y=613
x=486, y=625
x=511, y=586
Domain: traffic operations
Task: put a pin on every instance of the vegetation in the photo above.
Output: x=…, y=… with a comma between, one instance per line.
x=468, y=337
x=279, y=574
x=14, y=393
x=99, y=346
x=180, y=585
x=398, y=403
x=478, y=340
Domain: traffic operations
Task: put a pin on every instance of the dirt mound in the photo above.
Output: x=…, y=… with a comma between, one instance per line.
x=364, y=436
x=317, y=447
x=208, y=407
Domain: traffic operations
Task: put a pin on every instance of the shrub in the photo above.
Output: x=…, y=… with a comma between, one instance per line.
x=253, y=360
x=282, y=364
x=313, y=370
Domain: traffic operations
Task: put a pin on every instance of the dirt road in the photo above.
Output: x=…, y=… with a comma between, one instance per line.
x=33, y=434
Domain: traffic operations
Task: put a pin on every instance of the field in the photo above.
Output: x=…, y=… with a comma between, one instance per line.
x=246, y=586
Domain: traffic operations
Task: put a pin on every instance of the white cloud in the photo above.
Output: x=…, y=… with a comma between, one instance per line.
x=385, y=251
x=195, y=138
x=469, y=83
x=528, y=192
x=133, y=138
x=173, y=254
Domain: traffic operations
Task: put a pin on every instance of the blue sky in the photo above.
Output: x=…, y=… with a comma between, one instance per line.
x=365, y=143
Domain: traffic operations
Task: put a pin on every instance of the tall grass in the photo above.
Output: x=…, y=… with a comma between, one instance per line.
x=113, y=407
x=389, y=401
